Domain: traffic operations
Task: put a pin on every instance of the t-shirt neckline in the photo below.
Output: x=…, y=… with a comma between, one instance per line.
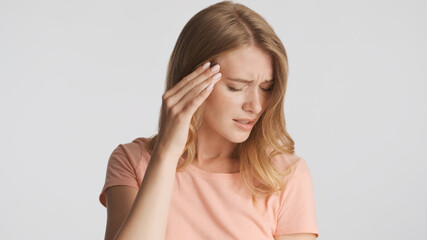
x=207, y=174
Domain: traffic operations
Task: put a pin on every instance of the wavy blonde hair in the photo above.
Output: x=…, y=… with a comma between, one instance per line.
x=216, y=30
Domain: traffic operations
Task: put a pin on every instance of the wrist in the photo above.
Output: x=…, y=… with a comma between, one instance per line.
x=166, y=154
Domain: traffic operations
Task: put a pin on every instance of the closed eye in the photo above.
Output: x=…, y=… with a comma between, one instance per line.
x=236, y=90
x=267, y=89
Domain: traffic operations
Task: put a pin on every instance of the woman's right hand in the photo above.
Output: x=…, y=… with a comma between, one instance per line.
x=178, y=106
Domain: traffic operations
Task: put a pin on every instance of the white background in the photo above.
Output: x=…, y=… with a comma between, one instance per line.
x=77, y=78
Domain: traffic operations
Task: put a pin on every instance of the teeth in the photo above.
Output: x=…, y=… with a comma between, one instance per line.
x=246, y=122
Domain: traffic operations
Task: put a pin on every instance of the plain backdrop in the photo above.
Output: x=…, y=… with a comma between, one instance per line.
x=77, y=78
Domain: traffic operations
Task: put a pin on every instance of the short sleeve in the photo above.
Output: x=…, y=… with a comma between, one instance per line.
x=122, y=168
x=297, y=213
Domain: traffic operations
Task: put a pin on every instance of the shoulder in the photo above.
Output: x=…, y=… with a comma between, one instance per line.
x=138, y=145
x=290, y=162
x=136, y=151
x=296, y=213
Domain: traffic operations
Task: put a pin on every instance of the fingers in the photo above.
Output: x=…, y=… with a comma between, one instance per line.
x=197, y=95
x=187, y=78
x=191, y=82
x=204, y=76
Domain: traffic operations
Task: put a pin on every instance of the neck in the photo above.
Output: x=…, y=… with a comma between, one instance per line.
x=214, y=153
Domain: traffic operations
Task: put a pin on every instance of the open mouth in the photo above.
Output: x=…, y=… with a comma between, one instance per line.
x=240, y=121
x=244, y=124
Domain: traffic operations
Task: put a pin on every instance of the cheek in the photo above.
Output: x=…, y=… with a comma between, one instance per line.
x=220, y=96
x=220, y=102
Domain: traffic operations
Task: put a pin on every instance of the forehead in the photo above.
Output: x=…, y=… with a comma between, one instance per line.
x=251, y=63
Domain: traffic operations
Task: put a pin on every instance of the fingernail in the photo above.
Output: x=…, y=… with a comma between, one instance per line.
x=215, y=68
x=216, y=76
x=210, y=87
x=206, y=65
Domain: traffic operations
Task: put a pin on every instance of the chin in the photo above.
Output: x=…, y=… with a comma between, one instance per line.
x=238, y=138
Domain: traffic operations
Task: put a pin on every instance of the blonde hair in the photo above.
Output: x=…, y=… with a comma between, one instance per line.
x=213, y=31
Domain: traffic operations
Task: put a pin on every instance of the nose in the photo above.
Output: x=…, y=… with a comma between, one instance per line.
x=253, y=102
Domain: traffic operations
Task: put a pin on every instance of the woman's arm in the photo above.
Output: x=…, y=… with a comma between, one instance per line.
x=119, y=201
x=147, y=217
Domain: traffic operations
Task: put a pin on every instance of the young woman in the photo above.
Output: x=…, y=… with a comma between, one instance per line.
x=222, y=165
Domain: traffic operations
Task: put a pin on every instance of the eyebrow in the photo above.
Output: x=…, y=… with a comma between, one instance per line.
x=246, y=81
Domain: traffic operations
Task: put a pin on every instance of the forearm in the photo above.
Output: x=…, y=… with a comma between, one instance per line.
x=148, y=216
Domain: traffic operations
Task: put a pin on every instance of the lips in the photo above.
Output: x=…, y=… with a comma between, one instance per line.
x=245, y=123
x=245, y=120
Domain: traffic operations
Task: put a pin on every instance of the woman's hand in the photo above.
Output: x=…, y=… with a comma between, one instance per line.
x=178, y=106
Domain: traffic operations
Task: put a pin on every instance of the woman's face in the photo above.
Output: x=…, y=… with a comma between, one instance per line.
x=241, y=94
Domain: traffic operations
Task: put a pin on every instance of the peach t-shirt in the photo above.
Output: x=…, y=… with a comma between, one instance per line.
x=207, y=205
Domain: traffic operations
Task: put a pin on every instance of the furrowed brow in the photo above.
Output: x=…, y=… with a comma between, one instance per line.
x=247, y=81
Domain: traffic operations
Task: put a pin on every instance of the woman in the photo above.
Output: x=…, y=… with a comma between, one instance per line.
x=222, y=165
